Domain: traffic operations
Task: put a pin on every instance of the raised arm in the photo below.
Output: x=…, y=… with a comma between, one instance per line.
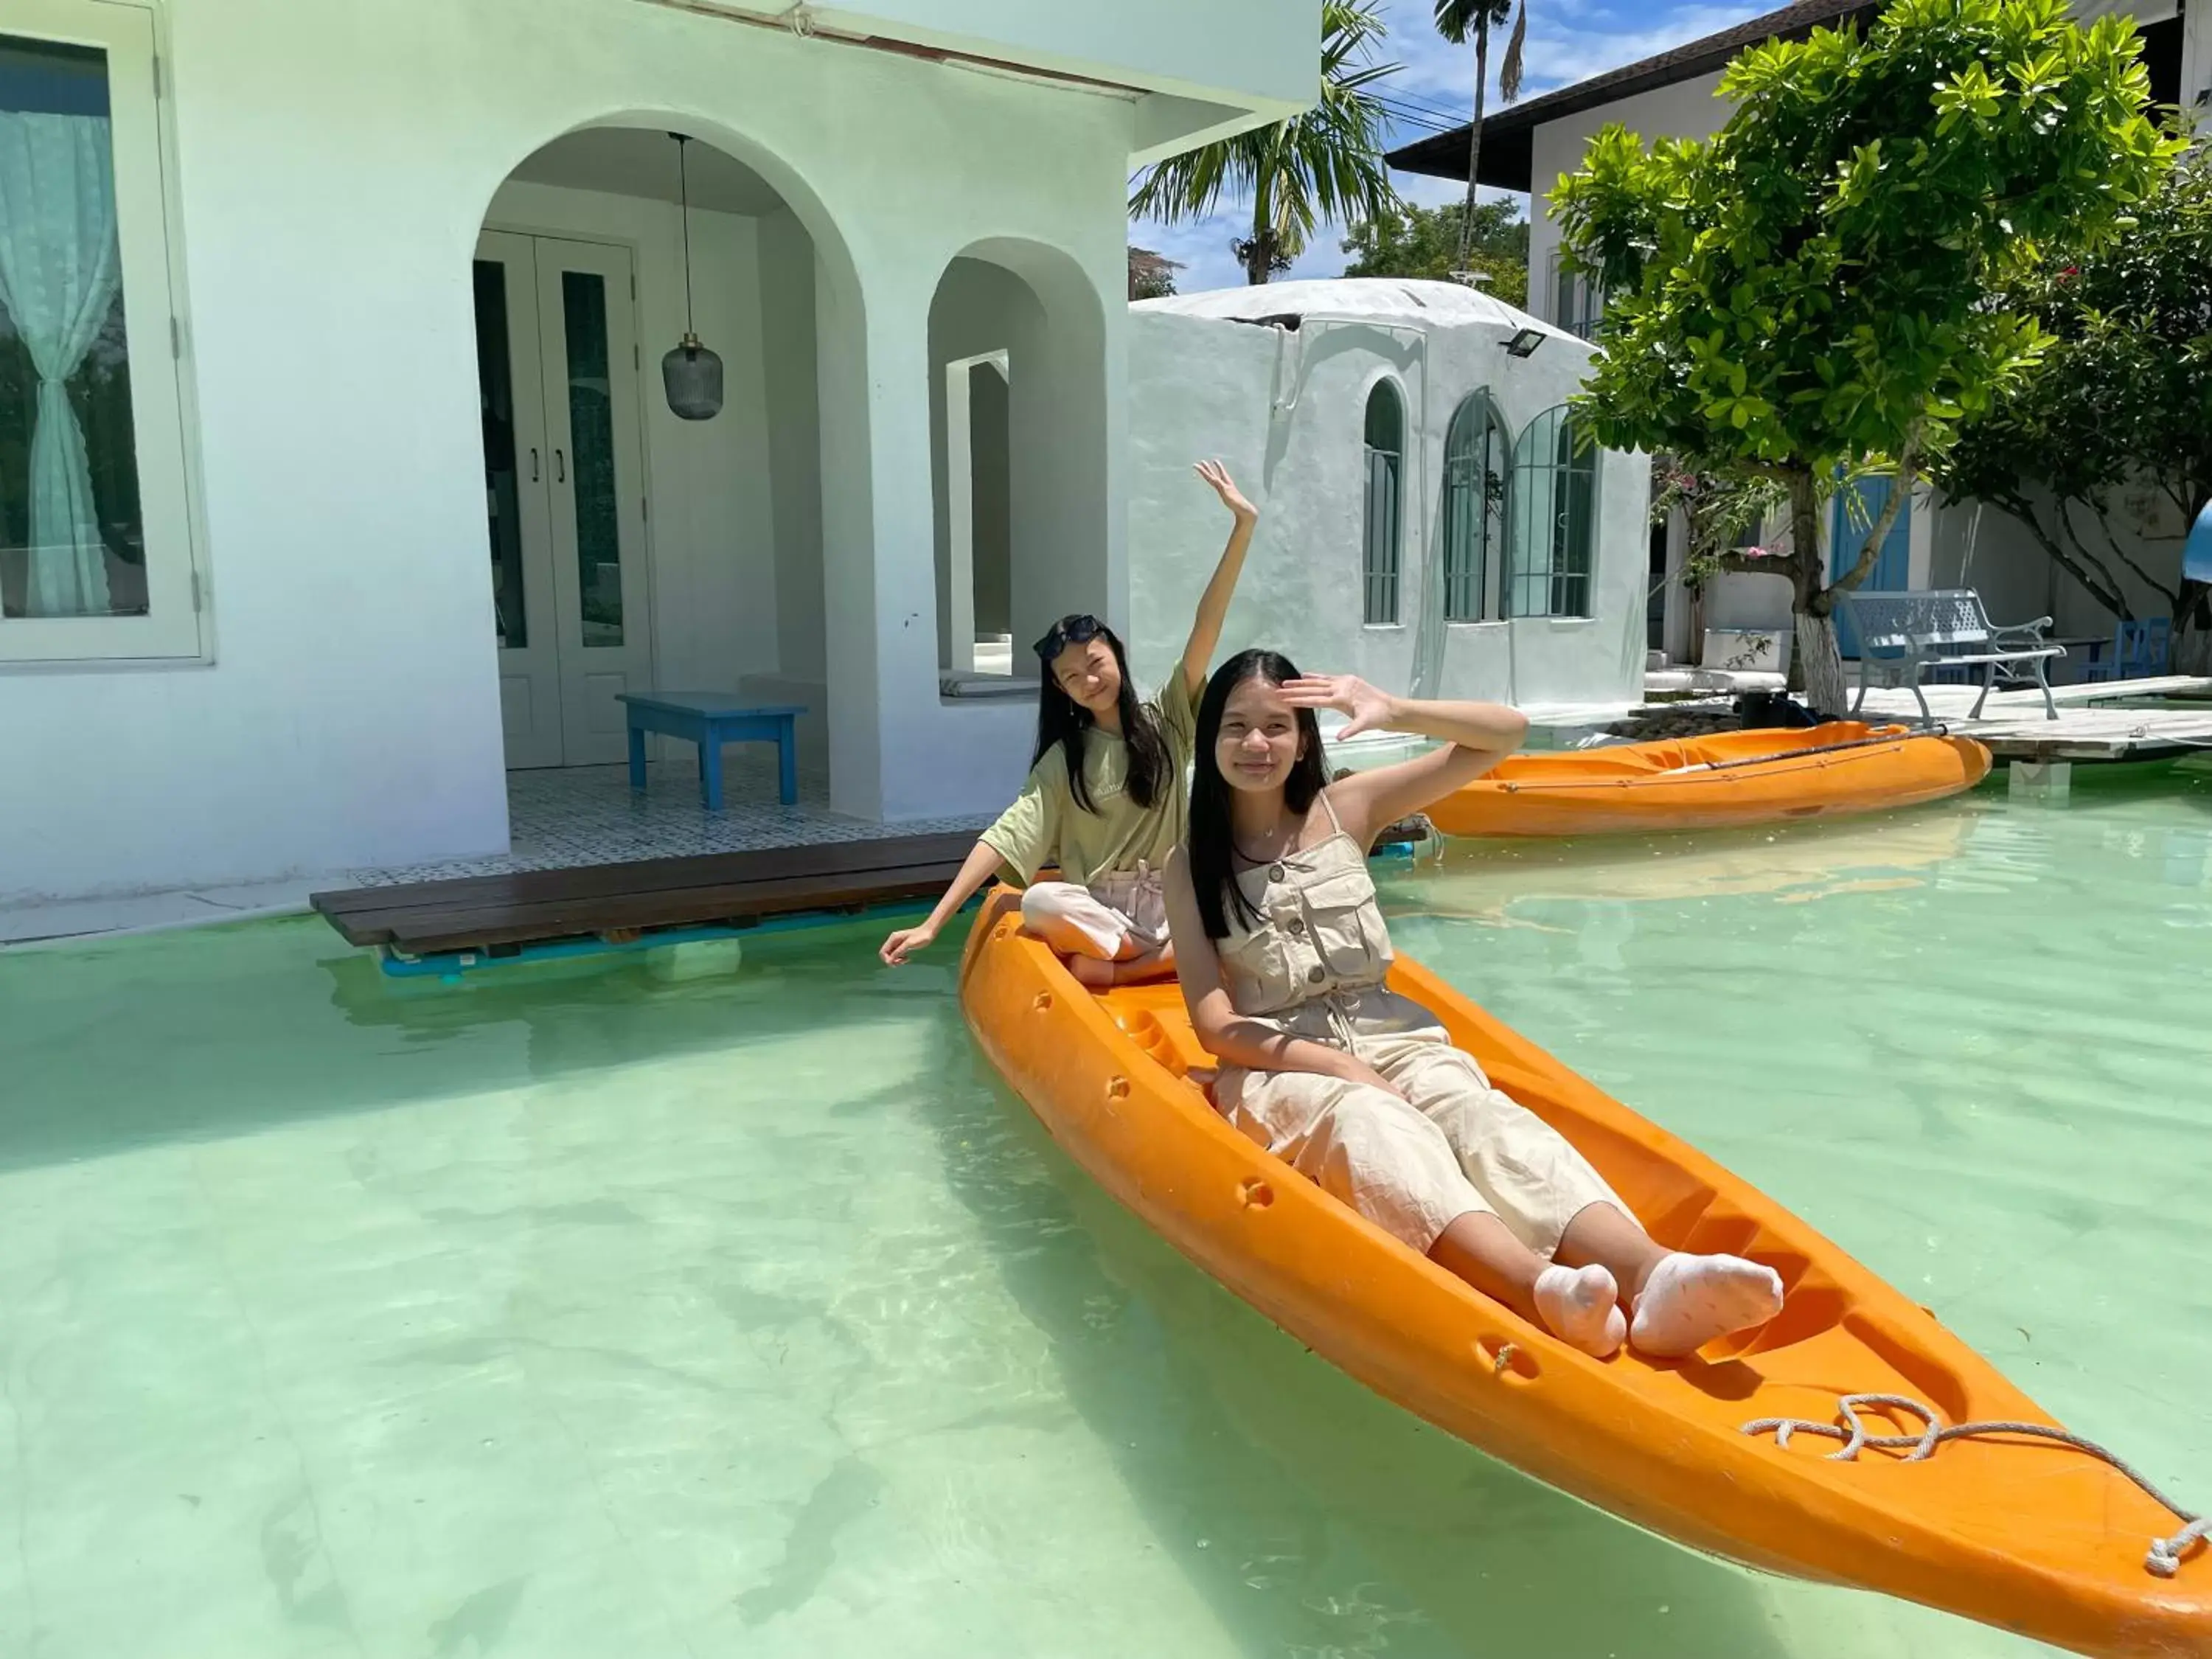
x=1227, y=1034
x=1479, y=735
x=1214, y=604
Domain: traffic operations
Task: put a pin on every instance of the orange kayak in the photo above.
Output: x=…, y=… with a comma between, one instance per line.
x=1706, y=783
x=2037, y=1538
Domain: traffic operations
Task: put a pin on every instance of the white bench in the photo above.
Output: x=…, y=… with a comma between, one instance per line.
x=1902, y=635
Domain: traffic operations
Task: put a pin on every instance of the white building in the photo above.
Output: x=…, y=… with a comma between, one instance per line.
x=1526, y=147
x=1429, y=520
x=297, y=295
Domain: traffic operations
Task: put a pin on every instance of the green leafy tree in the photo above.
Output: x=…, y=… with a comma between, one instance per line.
x=1460, y=21
x=1427, y=242
x=2121, y=398
x=1324, y=164
x=1151, y=276
x=1804, y=296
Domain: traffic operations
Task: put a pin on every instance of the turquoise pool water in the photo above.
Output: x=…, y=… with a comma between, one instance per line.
x=573, y=1312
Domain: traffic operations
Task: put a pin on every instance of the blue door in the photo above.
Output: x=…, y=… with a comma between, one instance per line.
x=1853, y=514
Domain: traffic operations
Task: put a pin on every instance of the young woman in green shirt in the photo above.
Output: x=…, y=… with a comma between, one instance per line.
x=1105, y=799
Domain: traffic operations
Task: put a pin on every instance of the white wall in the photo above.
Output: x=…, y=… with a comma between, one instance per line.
x=1260, y=52
x=979, y=308
x=1200, y=387
x=2018, y=581
x=336, y=163
x=787, y=326
x=790, y=369
x=1687, y=109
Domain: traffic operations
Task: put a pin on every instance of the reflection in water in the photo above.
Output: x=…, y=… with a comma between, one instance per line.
x=1479, y=880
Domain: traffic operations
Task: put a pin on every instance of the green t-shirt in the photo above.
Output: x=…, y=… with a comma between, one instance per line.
x=1044, y=826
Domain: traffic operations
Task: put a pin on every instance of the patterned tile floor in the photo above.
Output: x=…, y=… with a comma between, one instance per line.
x=560, y=818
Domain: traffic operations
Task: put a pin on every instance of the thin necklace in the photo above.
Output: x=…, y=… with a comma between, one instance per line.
x=1274, y=857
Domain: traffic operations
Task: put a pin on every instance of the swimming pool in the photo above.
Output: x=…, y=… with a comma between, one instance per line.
x=575, y=1312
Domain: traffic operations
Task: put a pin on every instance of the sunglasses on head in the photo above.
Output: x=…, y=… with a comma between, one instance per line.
x=1068, y=630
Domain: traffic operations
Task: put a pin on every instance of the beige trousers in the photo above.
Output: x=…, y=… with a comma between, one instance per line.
x=1415, y=1166
x=1126, y=907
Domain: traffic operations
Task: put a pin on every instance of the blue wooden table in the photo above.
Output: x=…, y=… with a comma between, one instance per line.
x=711, y=719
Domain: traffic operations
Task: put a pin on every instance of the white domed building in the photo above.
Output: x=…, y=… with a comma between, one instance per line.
x=1431, y=519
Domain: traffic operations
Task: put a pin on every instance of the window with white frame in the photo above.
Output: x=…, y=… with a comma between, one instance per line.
x=96, y=544
x=1552, y=517
x=1386, y=466
x=1577, y=301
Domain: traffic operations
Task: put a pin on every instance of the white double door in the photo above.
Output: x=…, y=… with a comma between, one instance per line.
x=564, y=483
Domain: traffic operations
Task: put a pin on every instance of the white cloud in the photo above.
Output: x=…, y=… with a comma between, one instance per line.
x=1569, y=41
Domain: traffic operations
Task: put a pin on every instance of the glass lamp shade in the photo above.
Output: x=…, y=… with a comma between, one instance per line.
x=692, y=376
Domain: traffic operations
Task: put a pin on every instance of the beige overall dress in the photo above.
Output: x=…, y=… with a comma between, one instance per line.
x=1313, y=968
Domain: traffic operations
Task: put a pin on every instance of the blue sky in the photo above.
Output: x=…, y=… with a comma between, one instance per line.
x=1569, y=41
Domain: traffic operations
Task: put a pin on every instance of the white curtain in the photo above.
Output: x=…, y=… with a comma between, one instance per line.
x=59, y=271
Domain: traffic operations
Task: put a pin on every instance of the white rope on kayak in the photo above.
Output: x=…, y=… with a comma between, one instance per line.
x=2164, y=1559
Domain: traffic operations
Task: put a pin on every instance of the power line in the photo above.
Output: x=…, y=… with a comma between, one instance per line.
x=1414, y=117
x=1442, y=111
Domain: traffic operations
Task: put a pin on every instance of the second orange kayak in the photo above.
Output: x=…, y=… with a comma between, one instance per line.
x=1703, y=783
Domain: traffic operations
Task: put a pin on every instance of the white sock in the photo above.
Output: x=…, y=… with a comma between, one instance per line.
x=1582, y=1306
x=1689, y=1300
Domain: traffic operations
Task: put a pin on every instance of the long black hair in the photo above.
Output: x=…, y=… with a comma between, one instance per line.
x=1062, y=721
x=1211, y=849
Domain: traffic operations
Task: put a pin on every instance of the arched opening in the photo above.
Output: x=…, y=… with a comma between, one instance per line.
x=1386, y=465
x=1017, y=451
x=1478, y=458
x=1552, y=517
x=634, y=551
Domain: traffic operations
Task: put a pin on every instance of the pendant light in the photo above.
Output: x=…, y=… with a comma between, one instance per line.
x=690, y=375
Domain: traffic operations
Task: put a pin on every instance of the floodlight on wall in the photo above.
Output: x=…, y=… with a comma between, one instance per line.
x=690, y=375
x=1525, y=343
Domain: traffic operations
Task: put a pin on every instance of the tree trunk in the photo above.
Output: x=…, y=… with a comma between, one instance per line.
x=1259, y=252
x=1817, y=597
x=1821, y=661
x=1474, y=141
x=1818, y=665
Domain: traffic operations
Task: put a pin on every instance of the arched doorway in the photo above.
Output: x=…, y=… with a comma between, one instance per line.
x=1019, y=454
x=631, y=549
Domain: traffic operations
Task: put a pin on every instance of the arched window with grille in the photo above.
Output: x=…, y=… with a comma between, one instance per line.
x=1386, y=468
x=1478, y=455
x=1551, y=513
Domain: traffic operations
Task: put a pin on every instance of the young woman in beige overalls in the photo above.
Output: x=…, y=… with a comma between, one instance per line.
x=1282, y=952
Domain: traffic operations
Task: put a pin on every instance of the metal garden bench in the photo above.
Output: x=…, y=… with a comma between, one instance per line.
x=1903, y=636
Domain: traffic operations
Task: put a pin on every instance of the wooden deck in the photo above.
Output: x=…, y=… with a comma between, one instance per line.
x=2091, y=726
x=494, y=913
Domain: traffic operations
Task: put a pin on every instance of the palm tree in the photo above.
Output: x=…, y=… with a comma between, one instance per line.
x=1324, y=164
x=1457, y=20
